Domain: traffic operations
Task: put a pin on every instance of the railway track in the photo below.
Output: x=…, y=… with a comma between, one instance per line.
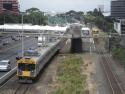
x=22, y=89
x=115, y=86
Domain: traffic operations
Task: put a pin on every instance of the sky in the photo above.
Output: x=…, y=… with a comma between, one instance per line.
x=64, y=5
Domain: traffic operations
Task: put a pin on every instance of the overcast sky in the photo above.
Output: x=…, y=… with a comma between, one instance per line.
x=64, y=5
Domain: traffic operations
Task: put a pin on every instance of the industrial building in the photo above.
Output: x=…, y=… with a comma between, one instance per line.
x=11, y=6
x=118, y=9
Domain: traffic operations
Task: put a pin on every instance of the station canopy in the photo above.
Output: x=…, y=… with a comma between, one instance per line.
x=28, y=27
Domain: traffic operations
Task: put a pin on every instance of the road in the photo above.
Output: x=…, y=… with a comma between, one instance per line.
x=12, y=51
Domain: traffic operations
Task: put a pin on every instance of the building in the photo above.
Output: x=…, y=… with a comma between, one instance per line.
x=118, y=12
x=119, y=26
x=118, y=9
x=11, y=6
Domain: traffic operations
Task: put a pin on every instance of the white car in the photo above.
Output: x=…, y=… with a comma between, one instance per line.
x=39, y=44
x=5, y=65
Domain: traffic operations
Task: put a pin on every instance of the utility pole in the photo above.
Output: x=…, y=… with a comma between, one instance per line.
x=109, y=47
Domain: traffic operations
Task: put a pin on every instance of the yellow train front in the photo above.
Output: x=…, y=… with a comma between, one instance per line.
x=95, y=32
x=26, y=70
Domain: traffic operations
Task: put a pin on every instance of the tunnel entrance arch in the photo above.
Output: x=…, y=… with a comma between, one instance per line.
x=76, y=45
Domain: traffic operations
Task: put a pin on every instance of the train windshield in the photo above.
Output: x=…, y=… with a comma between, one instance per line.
x=26, y=67
x=96, y=32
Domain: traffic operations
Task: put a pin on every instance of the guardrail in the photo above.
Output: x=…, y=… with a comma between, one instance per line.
x=7, y=76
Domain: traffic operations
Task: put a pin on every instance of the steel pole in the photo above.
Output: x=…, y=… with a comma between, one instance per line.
x=22, y=38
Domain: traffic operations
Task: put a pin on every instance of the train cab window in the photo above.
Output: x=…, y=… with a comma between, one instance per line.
x=26, y=67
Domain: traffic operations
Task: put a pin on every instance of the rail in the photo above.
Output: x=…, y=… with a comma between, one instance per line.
x=7, y=76
x=112, y=79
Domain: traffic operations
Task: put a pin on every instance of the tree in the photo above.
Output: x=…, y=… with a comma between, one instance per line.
x=7, y=17
x=32, y=10
x=89, y=13
x=95, y=12
x=35, y=16
x=96, y=17
x=32, y=16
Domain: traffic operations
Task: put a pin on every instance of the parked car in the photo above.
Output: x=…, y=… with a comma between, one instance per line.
x=5, y=43
x=5, y=65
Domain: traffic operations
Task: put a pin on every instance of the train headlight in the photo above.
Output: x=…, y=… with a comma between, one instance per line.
x=32, y=73
x=19, y=72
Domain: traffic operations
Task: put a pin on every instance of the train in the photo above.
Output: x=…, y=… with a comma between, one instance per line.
x=95, y=32
x=29, y=67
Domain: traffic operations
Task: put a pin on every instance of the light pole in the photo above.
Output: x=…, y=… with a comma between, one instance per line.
x=4, y=19
x=22, y=37
x=65, y=19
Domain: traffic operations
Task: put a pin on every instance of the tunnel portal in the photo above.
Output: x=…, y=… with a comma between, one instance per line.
x=76, y=41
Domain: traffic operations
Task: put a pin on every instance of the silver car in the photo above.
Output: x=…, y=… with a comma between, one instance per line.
x=5, y=65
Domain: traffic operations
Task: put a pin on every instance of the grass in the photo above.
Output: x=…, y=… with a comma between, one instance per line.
x=69, y=78
x=119, y=53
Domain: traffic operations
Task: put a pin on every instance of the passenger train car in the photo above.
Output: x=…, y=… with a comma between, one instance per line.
x=85, y=31
x=29, y=67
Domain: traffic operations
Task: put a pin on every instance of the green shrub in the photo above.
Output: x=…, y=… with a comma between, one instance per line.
x=69, y=76
x=119, y=53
